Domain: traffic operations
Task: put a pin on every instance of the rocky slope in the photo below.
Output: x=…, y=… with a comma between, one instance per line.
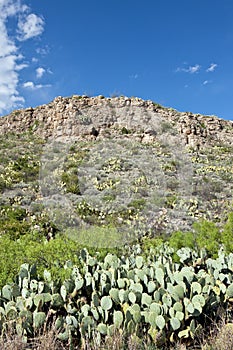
x=80, y=116
x=123, y=163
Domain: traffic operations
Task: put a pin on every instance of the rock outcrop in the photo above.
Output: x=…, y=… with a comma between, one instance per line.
x=97, y=117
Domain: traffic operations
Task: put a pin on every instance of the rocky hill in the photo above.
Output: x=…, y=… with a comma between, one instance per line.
x=123, y=163
x=99, y=117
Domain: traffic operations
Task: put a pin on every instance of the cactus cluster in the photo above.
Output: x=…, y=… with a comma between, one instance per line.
x=170, y=301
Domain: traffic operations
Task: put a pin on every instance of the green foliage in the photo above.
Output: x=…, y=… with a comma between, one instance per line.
x=125, y=131
x=19, y=158
x=180, y=239
x=13, y=221
x=25, y=168
x=74, y=158
x=137, y=203
x=70, y=179
x=33, y=248
x=3, y=184
x=97, y=237
x=150, y=243
x=207, y=236
x=227, y=234
x=96, y=297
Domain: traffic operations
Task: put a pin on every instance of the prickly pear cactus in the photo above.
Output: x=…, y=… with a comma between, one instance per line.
x=170, y=301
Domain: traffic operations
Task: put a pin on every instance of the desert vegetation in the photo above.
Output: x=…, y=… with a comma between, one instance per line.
x=115, y=244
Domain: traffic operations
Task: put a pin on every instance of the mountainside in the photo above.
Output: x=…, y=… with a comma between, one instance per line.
x=116, y=227
x=125, y=163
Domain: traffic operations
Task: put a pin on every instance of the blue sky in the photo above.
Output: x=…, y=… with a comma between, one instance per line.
x=177, y=53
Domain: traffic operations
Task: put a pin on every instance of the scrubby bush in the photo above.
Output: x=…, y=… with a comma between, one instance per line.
x=35, y=249
x=227, y=233
x=13, y=221
x=204, y=235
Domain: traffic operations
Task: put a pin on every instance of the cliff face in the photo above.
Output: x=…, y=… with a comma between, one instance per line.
x=99, y=117
x=123, y=162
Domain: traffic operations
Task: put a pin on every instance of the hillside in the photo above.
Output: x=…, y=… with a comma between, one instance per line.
x=120, y=159
x=116, y=227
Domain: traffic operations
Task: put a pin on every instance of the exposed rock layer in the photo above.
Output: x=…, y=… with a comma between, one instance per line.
x=98, y=117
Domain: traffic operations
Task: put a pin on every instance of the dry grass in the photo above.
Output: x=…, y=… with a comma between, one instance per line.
x=43, y=341
x=219, y=337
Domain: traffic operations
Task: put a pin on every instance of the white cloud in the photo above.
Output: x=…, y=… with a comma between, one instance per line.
x=40, y=72
x=7, y=46
x=190, y=69
x=9, y=96
x=205, y=82
x=43, y=51
x=21, y=66
x=11, y=58
x=31, y=86
x=49, y=71
x=194, y=69
x=11, y=8
x=211, y=67
x=30, y=27
x=28, y=84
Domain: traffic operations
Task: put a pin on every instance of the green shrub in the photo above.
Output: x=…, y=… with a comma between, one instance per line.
x=207, y=236
x=227, y=234
x=13, y=221
x=35, y=249
x=180, y=239
x=70, y=179
x=148, y=244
